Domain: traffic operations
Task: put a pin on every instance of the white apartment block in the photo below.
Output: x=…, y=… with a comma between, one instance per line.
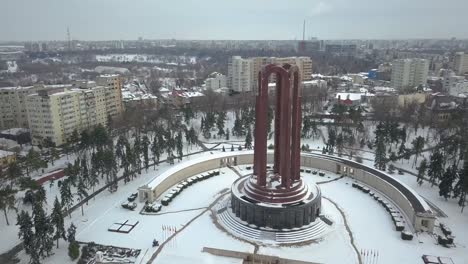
x=13, y=104
x=244, y=72
x=240, y=74
x=460, y=63
x=450, y=80
x=216, y=81
x=409, y=73
x=459, y=88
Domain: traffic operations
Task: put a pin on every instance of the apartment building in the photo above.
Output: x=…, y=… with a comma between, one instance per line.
x=243, y=73
x=460, y=63
x=409, y=73
x=240, y=74
x=13, y=112
x=113, y=81
x=216, y=81
x=55, y=113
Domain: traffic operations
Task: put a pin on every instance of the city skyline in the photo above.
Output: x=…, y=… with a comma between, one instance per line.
x=239, y=20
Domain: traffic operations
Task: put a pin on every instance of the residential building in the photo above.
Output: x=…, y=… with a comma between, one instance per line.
x=349, y=49
x=459, y=88
x=13, y=112
x=244, y=72
x=113, y=81
x=240, y=74
x=409, y=73
x=53, y=114
x=450, y=81
x=216, y=81
x=460, y=63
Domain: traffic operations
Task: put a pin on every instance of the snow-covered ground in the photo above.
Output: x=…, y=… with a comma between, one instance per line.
x=369, y=223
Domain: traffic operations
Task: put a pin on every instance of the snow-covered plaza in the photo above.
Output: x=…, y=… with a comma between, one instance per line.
x=362, y=230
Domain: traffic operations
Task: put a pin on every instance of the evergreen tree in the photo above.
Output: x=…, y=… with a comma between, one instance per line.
x=85, y=140
x=43, y=229
x=73, y=246
x=248, y=139
x=40, y=194
x=71, y=232
x=155, y=152
x=380, y=159
x=227, y=134
x=93, y=178
x=461, y=187
x=331, y=140
x=402, y=149
x=84, y=171
x=179, y=146
x=54, y=155
x=13, y=172
x=422, y=171
x=224, y=150
x=145, y=148
x=340, y=143
x=7, y=201
x=57, y=221
x=418, y=145
x=137, y=151
x=81, y=192
x=220, y=123
x=446, y=184
x=33, y=161
x=26, y=234
x=436, y=168
x=66, y=195
x=232, y=147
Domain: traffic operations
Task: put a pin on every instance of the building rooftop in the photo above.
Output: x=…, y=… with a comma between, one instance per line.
x=4, y=153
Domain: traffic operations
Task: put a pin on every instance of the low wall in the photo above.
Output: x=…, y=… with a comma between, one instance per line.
x=410, y=202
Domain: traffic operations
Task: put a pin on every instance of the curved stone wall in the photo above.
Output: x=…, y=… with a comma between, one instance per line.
x=408, y=200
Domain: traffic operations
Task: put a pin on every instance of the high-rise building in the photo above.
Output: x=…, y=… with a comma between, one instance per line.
x=460, y=63
x=216, y=81
x=13, y=105
x=409, y=73
x=240, y=74
x=245, y=71
x=113, y=82
x=54, y=114
x=450, y=80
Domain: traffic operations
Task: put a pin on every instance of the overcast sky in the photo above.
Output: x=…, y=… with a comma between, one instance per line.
x=232, y=19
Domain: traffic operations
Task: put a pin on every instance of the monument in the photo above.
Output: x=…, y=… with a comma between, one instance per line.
x=276, y=197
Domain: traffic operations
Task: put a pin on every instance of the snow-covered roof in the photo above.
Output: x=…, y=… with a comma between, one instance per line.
x=4, y=154
x=350, y=96
x=14, y=131
x=191, y=94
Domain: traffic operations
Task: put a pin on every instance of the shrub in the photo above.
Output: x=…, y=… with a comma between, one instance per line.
x=74, y=250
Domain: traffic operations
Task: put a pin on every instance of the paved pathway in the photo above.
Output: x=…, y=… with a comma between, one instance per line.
x=160, y=248
x=350, y=233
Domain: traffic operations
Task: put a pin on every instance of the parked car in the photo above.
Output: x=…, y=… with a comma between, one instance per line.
x=132, y=197
x=129, y=205
x=153, y=207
